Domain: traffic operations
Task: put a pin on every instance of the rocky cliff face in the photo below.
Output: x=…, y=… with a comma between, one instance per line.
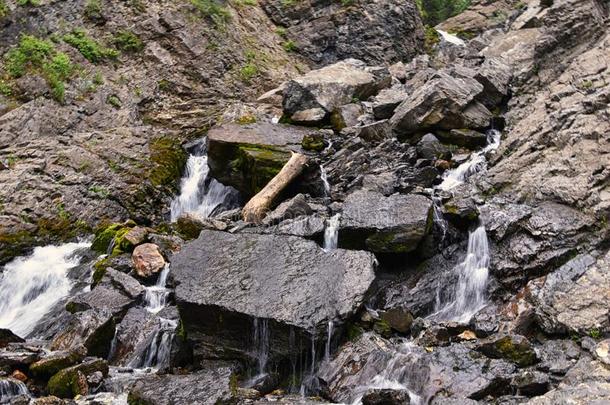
x=446, y=242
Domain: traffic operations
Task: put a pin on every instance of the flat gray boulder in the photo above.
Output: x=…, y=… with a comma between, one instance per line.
x=443, y=102
x=394, y=224
x=225, y=282
x=311, y=98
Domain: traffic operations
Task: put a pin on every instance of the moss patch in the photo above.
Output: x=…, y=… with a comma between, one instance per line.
x=168, y=160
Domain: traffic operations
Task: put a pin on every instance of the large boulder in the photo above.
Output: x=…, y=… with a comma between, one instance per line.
x=92, y=328
x=210, y=386
x=451, y=371
x=325, y=89
x=574, y=298
x=148, y=260
x=394, y=224
x=443, y=102
x=226, y=282
x=53, y=362
x=247, y=157
x=72, y=381
x=325, y=32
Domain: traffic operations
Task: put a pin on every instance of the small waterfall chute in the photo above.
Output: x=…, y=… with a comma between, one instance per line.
x=470, y=292
x=331, y=233
x=324, y=178
x=32, y=285
x=476, y=163
x=199, y=193
x=155, y=297
x=10, y=388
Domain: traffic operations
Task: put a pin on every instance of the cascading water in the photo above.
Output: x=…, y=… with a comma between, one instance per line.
x=199, y=193
x=452, y=39
x=331, y=233
x=476, y=163
x=324, y=178
x=10, y=388
x=155, y=297
x=469, y=295
x=32, y=285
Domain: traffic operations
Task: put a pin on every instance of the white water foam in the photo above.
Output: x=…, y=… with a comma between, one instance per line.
x=199, y=194
x=331, y=233
x=452, y=39
x=476, y=163
x=31, y=285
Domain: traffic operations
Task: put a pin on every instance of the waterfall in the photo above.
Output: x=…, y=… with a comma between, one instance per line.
x=324, y=178
x=439, y=220
x=9, y=388
x=329, y=337
x=261, y=344
x=331, y=233
x=156, y=354
x=199, y=193
x=476, y=163
x=156, y=296
x=32, y=285
x=469, y=294
x=452, y=39
x=398, y=370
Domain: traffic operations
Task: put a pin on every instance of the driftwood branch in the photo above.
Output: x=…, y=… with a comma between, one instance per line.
x=256, y=209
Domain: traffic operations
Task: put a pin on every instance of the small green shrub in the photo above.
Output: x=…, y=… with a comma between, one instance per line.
x=26, y=3
x=4, y=10
x=248, y=71
x=211, y=9
x=5, y=88
x=127, y=41
x=98, y=79
x=88, y=47
x=346, y=3
x=595, y=333
x=281, y=31
x=431, y=39
x=114, y=101
x=99, y=191
x=289, y=46
x=40, y=56
x=93, y=10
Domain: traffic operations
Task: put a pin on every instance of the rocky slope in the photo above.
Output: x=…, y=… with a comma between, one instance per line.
x=447, y=241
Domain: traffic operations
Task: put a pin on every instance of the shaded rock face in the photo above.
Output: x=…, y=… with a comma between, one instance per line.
x=247, y=157
x=225, y=282
x=394, y=224
x=331, y=87
x=325, y=32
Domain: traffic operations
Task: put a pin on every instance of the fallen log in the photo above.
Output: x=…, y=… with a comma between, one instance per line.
x=256, y=209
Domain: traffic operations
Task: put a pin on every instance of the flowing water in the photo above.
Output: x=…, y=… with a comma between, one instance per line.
x=32, y=285
x=199, y=192
x=331, y=233
x=476, y=163
x=155, y=297
x=324, y=178
x=10, y=388
x=452, y=39
x=469, y=294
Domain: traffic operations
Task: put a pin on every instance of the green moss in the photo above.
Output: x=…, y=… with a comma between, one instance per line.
x=383, y=328
x=168, y=159
x=4, y=10
x=354, y=332
x=281, y=31
x=92, y=50
x=99, y=270
x=595, y=333
x=213, y=10
x=93, y=10
x=313, y=142
x=248, y=71
x=289, y=46
x=105, y=236
x=127, y=41
x=28, y=3
x=246, y=119
x=64, y=385
x=38, y=56
x=521, y=354
x=114, y=101
x=48, y=367
x=260, y=164
x=431, y=39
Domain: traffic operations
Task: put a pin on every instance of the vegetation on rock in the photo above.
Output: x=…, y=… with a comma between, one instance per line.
x=92, y=50
x=436, y=11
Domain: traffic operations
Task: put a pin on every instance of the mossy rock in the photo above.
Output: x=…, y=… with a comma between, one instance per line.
x=313, y=142
x=168, y=159
x=56, y=362
x=114, y=232
x=511, y=347
x=65, y=383
x=383, y=328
